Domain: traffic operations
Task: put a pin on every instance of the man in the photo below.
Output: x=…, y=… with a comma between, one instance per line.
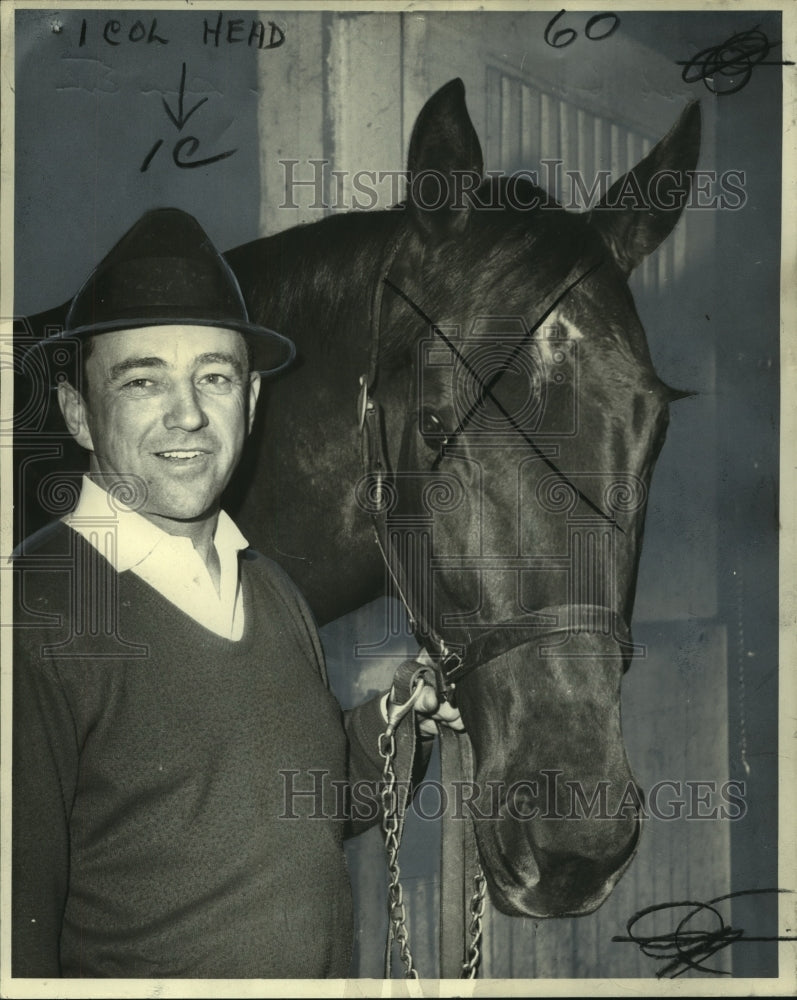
x=166, y=677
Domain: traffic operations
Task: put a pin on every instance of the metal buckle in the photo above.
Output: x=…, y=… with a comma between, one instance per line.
x=396, y=712
x=363, y=402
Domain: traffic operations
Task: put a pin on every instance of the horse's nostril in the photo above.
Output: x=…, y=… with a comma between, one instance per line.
x=529, y=879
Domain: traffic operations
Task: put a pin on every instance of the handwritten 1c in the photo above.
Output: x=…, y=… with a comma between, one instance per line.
x=188, y=142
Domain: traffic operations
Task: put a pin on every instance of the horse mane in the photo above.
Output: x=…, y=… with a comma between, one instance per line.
x=326, y=269
x=321, y=277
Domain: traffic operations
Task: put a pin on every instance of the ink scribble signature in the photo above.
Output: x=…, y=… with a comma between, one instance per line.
x=726, y=68
x=689, y=946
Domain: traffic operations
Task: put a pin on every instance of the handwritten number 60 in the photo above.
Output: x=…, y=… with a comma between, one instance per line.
x=564, y=36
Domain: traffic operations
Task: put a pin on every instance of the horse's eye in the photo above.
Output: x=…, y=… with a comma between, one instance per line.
x=434, y=433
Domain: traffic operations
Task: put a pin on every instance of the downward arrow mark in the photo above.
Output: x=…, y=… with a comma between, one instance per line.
x=182, y=117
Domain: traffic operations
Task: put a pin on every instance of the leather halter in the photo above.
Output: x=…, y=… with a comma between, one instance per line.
x=370, y=419
x=453, y=662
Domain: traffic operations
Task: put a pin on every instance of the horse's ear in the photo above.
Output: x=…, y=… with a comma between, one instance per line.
x=641, y=209
x=444, y=162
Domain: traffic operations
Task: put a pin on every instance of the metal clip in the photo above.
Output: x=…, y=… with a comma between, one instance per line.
x=396, y=712
x=363, y=402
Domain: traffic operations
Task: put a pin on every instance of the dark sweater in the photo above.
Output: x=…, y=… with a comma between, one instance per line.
x=152, y=833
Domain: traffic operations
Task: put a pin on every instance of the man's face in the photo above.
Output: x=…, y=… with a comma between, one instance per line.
x=170, y=406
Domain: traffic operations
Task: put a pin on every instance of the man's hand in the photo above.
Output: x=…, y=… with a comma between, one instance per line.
x=429, y=709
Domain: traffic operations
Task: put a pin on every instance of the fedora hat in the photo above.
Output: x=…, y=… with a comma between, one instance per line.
x=166, y=272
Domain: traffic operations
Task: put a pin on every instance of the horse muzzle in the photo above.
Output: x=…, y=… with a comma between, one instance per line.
x=556, y=808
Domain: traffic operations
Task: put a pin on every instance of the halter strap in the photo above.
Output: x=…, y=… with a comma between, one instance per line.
x=368, y=379
x=592, y=619
x=370, y=420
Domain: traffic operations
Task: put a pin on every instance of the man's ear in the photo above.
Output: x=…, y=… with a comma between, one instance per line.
x=73, y=409
x=254, y=392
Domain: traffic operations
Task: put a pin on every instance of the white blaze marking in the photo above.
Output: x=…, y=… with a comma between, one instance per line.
x=555, y=331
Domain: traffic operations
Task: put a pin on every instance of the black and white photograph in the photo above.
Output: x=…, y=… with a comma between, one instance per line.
x=396, y=499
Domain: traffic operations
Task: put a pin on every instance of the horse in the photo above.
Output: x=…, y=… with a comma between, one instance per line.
x=474, y=402
x=517, y=421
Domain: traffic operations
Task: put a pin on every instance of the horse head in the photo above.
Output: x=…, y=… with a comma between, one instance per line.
x=521, y=451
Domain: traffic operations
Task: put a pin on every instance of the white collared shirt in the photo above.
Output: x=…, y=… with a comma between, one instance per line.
x=168, y=563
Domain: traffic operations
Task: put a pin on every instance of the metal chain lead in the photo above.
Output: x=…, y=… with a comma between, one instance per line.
x=397, y=914
x=470, y=968
x=390, y=823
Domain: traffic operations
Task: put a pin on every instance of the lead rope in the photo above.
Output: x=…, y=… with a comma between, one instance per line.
x=392, y=825
x=470, y=967
x=397, y=914
x=393, y=816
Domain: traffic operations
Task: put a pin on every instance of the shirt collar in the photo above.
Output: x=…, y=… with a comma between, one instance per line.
x=135, y=536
